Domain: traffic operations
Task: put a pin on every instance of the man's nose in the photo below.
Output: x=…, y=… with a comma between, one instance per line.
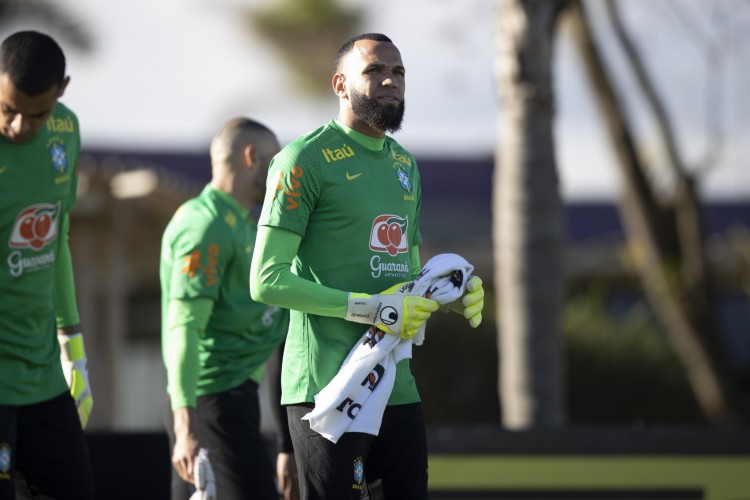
x=390, y=81
x=19, y=124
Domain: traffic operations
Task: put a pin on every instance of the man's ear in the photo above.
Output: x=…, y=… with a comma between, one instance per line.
x=63, y=85
x=248, y=156
x=338, y=85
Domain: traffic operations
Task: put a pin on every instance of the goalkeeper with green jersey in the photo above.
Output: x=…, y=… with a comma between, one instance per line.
x=215, y=340
x=340, y=224
x=42, y=445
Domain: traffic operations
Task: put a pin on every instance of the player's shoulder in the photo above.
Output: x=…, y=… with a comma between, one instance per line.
x=399, y=153
x=62, y=120
x=308, y=147
x=310, y=140
x=192, y=226
x=195, y=216
x=395, y=146
x=62, y=111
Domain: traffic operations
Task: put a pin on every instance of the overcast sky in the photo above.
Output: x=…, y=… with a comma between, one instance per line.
x=166, y=74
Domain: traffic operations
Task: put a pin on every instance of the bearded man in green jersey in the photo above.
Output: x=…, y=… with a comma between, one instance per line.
x=339, y=224
x=42, y=445
x=215, y=340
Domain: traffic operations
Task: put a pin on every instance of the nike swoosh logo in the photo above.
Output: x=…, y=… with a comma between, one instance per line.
x=352, y=177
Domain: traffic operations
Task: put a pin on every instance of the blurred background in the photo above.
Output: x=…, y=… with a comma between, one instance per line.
x=589, y=158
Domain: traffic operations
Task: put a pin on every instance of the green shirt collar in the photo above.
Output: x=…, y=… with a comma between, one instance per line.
x=228, y=199
x=370, y=143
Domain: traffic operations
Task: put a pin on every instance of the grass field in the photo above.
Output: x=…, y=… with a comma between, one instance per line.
x=600, y=477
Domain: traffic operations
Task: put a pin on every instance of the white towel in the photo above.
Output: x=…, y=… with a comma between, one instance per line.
x=368, y=373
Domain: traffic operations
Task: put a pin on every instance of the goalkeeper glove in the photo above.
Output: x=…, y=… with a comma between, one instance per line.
x=205, y=482
x=473, y=301
x=73, y=360
x=392, y=312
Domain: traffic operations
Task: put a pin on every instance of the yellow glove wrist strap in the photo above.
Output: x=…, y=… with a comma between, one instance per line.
x=72, y=347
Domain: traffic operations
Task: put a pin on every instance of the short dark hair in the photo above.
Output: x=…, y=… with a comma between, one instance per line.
x=242, y=124
x=347, y=47
x=235, y=134
x=34, y=62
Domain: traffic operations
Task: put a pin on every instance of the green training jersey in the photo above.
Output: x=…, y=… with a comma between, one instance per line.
x=206, y=252
x=38, y=182
x=357, y=210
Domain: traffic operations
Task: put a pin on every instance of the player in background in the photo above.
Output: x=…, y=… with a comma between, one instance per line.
x=42, y=445
x=286, y=467
x=215, y=340
x=340, y=223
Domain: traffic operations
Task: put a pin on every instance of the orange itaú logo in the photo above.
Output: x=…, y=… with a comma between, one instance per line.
x=193, y=264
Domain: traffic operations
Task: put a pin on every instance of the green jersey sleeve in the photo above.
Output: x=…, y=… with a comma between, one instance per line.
x=186, y=321
x=273, y=282
x=66, y=309
x=292, y=189
x=200, y=255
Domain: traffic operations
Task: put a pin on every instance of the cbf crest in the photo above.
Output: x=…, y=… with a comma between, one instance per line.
x=58, y=155
x=403, y=178
x=359, y=471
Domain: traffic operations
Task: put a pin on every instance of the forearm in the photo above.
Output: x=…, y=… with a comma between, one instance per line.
x=185, y=421
x=187, y=444
x=186, y=319
x=65, y=295
x=273, y=282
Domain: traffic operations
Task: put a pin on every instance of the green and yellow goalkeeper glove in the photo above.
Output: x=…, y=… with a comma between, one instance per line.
x=73, y=359
x=473, y=301
x=392, y=312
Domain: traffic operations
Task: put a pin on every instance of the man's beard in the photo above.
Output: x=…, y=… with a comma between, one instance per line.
x=377, y=116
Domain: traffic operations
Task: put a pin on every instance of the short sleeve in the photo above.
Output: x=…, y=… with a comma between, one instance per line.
x=292, y=189
x=200, y=253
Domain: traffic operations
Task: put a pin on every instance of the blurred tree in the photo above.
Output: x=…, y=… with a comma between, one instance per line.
x=527, y=219
x=665, y=231
x=307, y=33
x=50, y=14
x=739, y=240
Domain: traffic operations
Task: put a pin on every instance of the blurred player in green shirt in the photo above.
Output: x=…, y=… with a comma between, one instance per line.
x=340, y=224
x=41, y=346
x=215, y=339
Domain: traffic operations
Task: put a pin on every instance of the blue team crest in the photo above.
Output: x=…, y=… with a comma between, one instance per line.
x=4, y=458
x=59, y=157
x=359, y=470
x=404, y=179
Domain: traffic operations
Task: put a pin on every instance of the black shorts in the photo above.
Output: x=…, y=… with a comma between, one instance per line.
x=229, y=426
x=392, y=465
x=43, y=452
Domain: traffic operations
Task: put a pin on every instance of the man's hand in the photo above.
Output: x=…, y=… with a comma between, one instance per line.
x=73, y=360
x=391, y=311
x=286, y=472
x=205, y=481
x=473, y=301
x=186, y=443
